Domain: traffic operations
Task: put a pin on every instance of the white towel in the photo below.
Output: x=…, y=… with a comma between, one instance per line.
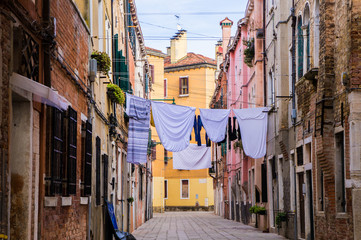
x=215, y=123
x=174, y=125
x=253, y=124
x=192, y=158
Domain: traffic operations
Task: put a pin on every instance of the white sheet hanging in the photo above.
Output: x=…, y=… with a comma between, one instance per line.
x=253, y=124
x=192, y=158
x=174, y=124
x=215, y=123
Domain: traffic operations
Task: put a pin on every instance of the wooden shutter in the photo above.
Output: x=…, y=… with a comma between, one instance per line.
x=88, y=160
x=72, y=151
x=180, y=86
x=105, y=176
x=57, y=151
x=187, y=84
x=97, y=171
x=140, y=183
x=165, y=87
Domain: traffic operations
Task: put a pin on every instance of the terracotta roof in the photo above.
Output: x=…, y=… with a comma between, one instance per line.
x=153, y=49
x=190, y=59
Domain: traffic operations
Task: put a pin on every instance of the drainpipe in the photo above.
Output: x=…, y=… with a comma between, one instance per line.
x=264, y=55
x=293, y=114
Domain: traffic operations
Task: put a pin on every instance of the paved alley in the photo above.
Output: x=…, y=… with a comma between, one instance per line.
x=197, y=225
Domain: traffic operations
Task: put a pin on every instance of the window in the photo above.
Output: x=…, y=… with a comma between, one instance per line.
x=151, y=68
x=105, y=176
x=166, y=189
x=165, y=88
x=183, y=85
x=340, y=173
x=300, y=47
x=154, y=150
x=299, y=156
x=165, y=156
x=306, y=23
x=100, y=26
x=184, y=189
x=271, y=90
x=97, y=171
x=316, y=34
x=119, y=175
x=140, y=183
x=71, y=151
x=55, y=166
x=87, y=162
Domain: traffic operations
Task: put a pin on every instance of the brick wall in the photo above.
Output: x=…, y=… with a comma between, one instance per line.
x=69, y=78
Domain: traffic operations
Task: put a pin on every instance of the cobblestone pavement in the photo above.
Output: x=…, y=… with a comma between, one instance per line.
x=197, y=225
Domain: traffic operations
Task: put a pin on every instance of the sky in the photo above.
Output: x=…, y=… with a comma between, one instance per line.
x=159, y=20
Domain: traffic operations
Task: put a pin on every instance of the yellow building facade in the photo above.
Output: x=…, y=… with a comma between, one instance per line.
x=188, y=78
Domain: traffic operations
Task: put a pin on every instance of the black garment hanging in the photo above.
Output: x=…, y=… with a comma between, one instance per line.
x=231, y=131
x=239, y=132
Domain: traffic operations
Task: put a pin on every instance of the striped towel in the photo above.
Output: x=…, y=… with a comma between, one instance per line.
x=138, y=110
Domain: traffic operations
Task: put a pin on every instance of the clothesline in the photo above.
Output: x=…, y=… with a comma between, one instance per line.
x=174, y=125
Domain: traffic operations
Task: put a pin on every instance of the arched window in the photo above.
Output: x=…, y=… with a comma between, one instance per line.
x=300, y=47
x=316, y=34
x=306, y=24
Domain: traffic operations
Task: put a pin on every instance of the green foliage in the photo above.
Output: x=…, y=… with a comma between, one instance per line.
x=130, y=200
x=238, y=145
x=103, y=61
x=281, y=217
x=248, y=52
x=258, y=210
x=115, y=93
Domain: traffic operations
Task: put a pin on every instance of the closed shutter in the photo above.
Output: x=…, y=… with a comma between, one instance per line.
x=57, y=151
x=72, y=150
x=165, y=87
x=152, y=72
x=187, y=84
x=88, y=159
x=105, y=176
x=97, y=171
x=180, y=86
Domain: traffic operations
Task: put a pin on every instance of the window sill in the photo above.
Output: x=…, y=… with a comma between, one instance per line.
x=183, y=95
x=84, y=200
x=342, y=215
x=66, y=201
x=320, y=214
x=50, y=201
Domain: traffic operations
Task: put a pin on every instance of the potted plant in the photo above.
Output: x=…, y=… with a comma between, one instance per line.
x=103, y=61
x=248, y=52
x=281, y=217
x=115, y=93
x=258, y=210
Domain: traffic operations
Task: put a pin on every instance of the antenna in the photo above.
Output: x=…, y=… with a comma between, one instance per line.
x=178, y=22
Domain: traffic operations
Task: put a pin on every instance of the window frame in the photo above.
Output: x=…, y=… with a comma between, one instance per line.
x=181, y=189
x=183, y=86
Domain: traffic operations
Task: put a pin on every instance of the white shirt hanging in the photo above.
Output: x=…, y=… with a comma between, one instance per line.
x=174, y=124
x=253, y=124
x=215, y=122
x=194, y=157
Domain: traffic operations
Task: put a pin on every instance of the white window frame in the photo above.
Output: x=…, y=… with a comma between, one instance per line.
x=181, y=186
x=185, y=94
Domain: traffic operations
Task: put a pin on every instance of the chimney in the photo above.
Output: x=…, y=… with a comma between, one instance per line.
x=178, y=46
x=226, y=25
x=168, y=51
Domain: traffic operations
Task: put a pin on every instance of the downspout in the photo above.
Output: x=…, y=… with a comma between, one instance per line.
x=264, y=56
x=293, y=114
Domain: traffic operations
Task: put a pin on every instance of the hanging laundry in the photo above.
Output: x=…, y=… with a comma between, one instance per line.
x=192, y=158
x=200, y=125
x=253, y=123
x=239, y=132
x=174, y=124
x=215, y=123
x=232, y=134
x=138, y=110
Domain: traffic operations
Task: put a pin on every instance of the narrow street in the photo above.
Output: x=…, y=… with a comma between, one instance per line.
x=197, y=225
